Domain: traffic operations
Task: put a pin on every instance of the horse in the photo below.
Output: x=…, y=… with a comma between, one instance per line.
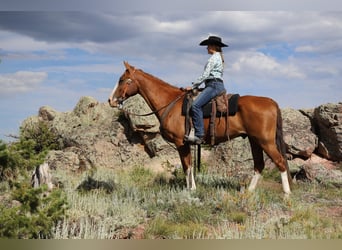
x=258, y=118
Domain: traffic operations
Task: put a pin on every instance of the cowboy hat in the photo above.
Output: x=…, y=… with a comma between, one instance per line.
x=213, y=40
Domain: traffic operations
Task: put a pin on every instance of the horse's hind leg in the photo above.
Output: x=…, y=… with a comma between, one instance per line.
x=273, y=152
x=259, y=163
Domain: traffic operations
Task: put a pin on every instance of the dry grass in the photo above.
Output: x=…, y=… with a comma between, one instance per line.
x=147, y=205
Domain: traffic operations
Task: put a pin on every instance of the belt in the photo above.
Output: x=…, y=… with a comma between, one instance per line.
x=214, y=80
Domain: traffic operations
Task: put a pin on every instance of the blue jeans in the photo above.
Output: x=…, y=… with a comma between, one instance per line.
x=211, y=90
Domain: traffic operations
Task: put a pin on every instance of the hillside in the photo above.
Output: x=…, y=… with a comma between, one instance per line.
x=93, y=134
x=122, y=180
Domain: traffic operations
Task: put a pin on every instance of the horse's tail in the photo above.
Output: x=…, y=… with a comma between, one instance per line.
x=281, y=143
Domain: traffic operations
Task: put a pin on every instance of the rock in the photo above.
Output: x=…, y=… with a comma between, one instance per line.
x=296, y=165
x=47, y=113
x=147, y=127
x=41, y=175
x=84, y=105
x=298, y=135
x=328, y=123
x=59, y=159
x=323, y=171
x=232, y=158
x=137, y=105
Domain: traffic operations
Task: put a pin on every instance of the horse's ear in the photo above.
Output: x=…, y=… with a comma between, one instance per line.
x=127, y=65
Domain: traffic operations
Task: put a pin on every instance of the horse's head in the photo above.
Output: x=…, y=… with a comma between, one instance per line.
x=126, y=87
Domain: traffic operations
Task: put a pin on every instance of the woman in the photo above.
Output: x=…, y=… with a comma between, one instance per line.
x=212, y=77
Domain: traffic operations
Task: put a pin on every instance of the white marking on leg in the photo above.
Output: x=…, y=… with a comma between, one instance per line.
x=285, y=182
x=193, y=184
x=254, y=181
x=187, y=178
x=190, y=179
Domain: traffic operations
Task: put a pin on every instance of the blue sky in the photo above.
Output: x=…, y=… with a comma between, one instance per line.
x=55, y=57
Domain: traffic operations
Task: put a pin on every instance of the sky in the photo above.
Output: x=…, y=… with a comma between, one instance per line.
x=54, y=57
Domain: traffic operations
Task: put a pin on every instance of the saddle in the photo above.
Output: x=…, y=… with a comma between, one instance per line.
x=223, y=105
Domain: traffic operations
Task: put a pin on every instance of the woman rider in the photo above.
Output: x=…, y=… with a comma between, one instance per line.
x=212, y=77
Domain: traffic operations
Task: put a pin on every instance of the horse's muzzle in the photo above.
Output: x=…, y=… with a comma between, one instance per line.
x=115, y=102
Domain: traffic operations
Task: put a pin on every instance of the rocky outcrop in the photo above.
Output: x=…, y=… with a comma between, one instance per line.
x=95, y=135
x=328, y=124
x=298, y=133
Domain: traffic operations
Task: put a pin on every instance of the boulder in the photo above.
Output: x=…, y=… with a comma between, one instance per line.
x=299, y=136
x=137, y=105
x=322, y=171
x=47, y=113
x=232, y=158
x=147, y=127
x=328, y=123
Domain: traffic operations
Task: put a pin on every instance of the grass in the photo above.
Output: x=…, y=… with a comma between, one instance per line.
x=150, y=206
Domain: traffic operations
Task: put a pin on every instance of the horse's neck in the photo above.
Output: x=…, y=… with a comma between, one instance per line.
x=157, y=94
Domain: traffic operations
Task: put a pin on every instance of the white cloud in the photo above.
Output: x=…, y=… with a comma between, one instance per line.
x=257, y=63
x=11, y=41
x=20, y=81
x=322, y=47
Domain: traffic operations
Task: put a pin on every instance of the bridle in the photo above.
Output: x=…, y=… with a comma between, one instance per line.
x=168, y=106
x=127, y=82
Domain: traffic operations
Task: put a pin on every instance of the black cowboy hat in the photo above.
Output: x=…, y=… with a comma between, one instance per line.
x=213, y=40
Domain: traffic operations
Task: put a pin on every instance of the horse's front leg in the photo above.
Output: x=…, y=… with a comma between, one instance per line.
x=185, y=156
x=190, y=179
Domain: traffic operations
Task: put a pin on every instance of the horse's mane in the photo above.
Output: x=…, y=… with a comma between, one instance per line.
x=158, y=79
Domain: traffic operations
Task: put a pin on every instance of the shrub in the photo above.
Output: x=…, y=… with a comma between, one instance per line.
x=34, y=215
x=7, y=163
x=28, y=152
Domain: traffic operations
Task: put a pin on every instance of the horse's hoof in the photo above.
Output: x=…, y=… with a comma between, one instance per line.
x=287, y=196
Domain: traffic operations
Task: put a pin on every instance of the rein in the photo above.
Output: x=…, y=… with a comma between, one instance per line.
x=168, y=106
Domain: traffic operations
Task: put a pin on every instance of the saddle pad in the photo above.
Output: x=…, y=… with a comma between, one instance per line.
x=232, y=106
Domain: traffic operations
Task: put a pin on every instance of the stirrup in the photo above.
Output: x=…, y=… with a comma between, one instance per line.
x=193, y=139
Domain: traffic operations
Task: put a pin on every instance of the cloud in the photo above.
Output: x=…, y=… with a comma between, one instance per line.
x=148, y=5
x=259, y=64
x=70, y=26
x=55, y=57
x=148, y=33
x=20, y=82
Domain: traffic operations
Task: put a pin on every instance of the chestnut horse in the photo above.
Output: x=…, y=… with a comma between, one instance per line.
x=258, y=118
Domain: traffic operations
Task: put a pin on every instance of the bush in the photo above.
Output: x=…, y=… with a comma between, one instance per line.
x=7, y=165
x=34, y=215
x=28, y=152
